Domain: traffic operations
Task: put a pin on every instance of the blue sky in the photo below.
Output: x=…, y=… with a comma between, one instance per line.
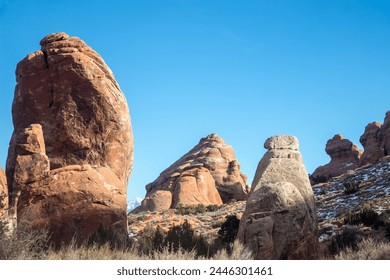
x=245, y=70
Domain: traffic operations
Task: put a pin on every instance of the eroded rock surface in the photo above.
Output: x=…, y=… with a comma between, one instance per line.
x=3, y=195
x=71, y=151
x=372, y=144
x=209, y=174
x=67, y=88
x=344, y=156
x=280, y=221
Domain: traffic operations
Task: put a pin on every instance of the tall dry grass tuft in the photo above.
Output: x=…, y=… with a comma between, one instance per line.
x=23, y=244
x=239, y=252
x=366, y=250
x=92, y=252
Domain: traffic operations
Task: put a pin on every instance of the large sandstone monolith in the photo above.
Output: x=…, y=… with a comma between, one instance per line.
x=209, y=174
x=3, y=195
x=372, y=144
x=344, y=156
x=280, y=220
x=71, y=152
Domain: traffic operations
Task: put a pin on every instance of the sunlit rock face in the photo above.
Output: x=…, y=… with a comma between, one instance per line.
x=280, y=220
x=209, y=174
x=71, y=152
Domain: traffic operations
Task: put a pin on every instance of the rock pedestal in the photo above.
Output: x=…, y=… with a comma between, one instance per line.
x=280, y=221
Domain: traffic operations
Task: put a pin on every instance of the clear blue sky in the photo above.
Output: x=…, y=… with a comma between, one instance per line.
x=245, y=70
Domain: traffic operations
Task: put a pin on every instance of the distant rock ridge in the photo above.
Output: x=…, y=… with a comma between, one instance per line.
x=346, y=156
x=280, y=220
x=208, y=174
x=71, y=152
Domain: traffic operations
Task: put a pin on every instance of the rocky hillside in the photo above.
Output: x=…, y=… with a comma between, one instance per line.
x=348, y=192
x=346, y=156
x=334, y=199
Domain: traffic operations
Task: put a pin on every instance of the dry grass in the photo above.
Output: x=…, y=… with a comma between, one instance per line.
x=367, y=250
x=33, y=245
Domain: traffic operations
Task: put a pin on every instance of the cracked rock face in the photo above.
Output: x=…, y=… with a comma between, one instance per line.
x=280, y=220
x=209, y=174
x=67, y=88
x=344, y=156
x=71, y=152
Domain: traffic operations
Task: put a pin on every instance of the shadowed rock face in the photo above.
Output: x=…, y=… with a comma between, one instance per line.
x=71, y=152
x=3, y=195
x=372, y=144
x=209, y=174
x=385, y=135
x=344, y=156
x=280, y=221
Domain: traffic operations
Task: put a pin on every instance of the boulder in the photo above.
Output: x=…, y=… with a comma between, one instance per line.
x=208, y=174
x=280, y=220
x=344, y=156
x=372, y=144
x=71, y=152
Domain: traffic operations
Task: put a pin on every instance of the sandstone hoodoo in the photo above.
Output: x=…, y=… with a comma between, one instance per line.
x=371, y=143
x=71, y=152
x=385, y=135
x=280, y=220
x=3, y=195
x=344, y=156
x=209, y=174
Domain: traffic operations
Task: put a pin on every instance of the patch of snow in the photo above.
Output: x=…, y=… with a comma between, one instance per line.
x=132, y=204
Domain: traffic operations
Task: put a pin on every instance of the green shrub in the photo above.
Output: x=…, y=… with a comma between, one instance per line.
x=366, y=216
x=351, y=187
x=348, y=238
x=229, y=230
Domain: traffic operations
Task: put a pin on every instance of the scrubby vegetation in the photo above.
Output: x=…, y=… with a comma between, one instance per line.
x=178, y=243
x=366, y=250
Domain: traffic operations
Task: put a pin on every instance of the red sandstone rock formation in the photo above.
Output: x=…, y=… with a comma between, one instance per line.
x=71, y=152
x=3, y=195
x=372, y=144
x=280, y=220
x=344, y=156
x=209, y=174
x=385, y=135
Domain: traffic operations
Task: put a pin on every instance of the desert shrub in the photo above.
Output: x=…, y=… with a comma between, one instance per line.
x=107, y=236
x=351, y=187
x=387, y=231
x=366, y=216
x=229, y=230
x=191, y=210
x=212, y=208
x=24, y=244
x=348, y=238
x=366, y=250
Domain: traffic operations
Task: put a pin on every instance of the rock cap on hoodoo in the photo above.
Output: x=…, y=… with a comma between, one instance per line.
x=282, y=142
x=53, y=37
